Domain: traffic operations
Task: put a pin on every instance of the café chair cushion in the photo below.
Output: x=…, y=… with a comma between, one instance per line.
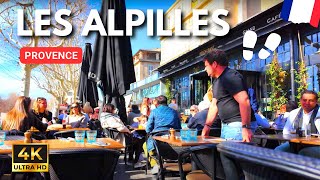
x=197, y=175
x=175, y=167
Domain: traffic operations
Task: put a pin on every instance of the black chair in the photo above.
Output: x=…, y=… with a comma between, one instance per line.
x=63, y=134
x=207, y=159
x=113, y=133
x=5, y=165
x=82, y=164
x=262, y=163
x=167, y=157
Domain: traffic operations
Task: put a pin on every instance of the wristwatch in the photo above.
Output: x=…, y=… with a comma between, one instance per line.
x=247, y=126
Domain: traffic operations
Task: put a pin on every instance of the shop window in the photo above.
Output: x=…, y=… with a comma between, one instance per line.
x=311, y=43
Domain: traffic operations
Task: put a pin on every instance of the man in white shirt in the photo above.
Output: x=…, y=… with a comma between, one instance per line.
x=301, y=117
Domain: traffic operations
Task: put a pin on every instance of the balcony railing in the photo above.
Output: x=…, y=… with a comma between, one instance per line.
x=144, y=81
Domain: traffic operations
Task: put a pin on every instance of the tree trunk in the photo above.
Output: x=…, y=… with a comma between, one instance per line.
x=26, y=69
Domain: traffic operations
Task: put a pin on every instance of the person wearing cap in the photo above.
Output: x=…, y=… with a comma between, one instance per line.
x=76, y=118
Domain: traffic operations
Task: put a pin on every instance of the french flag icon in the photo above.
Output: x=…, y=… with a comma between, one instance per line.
x=301, y=11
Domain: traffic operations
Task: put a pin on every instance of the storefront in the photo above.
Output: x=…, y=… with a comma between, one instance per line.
x=190, y=87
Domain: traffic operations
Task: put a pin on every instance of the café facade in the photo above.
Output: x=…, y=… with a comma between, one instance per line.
x=189, y=81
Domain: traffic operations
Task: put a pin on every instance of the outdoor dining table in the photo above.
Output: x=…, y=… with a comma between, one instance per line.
x=200, y=141
x=295, y=141
x=56, y=144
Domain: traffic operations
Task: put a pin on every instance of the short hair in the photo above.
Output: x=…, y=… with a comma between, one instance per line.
x=109, y=108
x=134, y=107
x=291, y=105
x=162, y=99
x=309, y=92
x=216, y=55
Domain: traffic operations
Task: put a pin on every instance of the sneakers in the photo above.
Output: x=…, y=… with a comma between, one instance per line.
x=138, y=165
x=155, y=169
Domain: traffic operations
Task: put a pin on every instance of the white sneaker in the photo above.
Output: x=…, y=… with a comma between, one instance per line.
x=155, y=169
x=138, y=165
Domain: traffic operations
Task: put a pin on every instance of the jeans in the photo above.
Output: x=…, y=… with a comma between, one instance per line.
x=285, y=147
x=233, y=131
x=311, y=152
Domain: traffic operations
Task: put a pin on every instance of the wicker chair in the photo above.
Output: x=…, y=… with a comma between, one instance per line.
x=82, y=164
x=262, y=163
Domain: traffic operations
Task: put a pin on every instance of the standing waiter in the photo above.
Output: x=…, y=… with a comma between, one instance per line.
x=230, y=99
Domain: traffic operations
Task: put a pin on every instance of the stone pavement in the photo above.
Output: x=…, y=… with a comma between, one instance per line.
x=124, y=172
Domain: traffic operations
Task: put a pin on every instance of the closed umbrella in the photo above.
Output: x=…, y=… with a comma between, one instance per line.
x=112, y=64
x=87, y=89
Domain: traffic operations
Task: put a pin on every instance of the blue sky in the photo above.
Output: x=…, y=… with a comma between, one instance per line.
x=11, y=75
x=140, y=40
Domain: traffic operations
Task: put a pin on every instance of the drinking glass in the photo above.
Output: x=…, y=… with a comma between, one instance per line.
x=79, y=136
x=91, y=136
x=193, y=134
x=2, y=137
x=184, y=134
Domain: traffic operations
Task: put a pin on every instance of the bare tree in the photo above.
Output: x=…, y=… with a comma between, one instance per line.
x=7, y=104
x=8, y=20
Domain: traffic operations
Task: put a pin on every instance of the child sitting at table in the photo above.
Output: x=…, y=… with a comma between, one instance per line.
x=138, y=138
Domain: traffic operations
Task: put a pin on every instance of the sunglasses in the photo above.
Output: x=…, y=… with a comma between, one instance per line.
x=41, y=98
x=192, y=110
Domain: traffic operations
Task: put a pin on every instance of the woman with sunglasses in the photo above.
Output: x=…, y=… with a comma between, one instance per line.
x=20, y=118
x=77, y=118
x=39, y=109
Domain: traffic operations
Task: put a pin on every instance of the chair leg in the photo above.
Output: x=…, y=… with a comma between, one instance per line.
x=125, y=155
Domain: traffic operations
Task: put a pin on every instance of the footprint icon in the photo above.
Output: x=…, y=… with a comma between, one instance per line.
x=249, y=41
x=272, y=42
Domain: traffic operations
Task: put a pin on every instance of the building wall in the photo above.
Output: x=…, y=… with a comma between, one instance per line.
x=239, y=11
x=142, y=60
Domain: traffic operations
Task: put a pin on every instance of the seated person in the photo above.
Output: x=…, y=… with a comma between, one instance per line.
x=109, y=119
x=39, y=109
x=198, y=120
x=138, y=139
x=135, y=112
x=193, y=111
x=161, y=118
x=76, y=118
x=299, y=118
x=20, y=118
x=283, y=114
x=261, y=120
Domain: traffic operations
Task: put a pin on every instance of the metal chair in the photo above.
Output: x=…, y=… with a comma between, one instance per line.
x=261, y=163
x=113, y=133
x=82, y=164
x=167, y=157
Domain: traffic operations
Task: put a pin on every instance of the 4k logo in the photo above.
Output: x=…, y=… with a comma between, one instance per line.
x=30, y=158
